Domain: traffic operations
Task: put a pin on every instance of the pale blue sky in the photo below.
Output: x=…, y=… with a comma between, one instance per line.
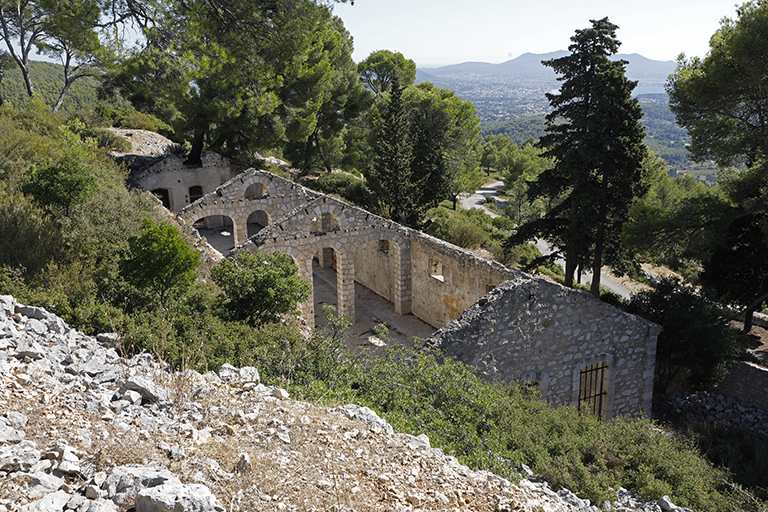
x=439, y=32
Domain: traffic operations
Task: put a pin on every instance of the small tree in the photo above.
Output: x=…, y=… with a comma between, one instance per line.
x=59, y=185
x=260, y=286
x=697, y=345
x=160, y=260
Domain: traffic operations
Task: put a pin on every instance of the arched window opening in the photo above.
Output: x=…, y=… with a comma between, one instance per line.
x=218, y=231
x=324, y=223
x=256, y=191
x=257, y=221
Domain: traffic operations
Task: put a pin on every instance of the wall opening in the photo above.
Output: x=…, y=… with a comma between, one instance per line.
x=164, y=195
x=436, y=270
x=324, y=282
x=257, y=221
x=384, y=247
x=195, y=193
x=218, y=230
x=324, y=223
x=256, y=191
x=593, y=389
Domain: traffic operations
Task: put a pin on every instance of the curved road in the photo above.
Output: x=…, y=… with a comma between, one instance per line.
x=477, y=200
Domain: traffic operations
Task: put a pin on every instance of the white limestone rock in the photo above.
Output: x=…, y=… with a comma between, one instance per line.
x=54, y=502
x=149, y=391
x=171, y=497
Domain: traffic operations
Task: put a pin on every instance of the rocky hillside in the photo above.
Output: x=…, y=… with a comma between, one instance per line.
x=87, y=430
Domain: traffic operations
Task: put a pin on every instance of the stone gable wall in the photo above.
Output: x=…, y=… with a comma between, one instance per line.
x=528, y=329
x=171, y=174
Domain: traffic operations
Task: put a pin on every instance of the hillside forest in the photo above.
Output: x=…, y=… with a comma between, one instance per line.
x=257, y=78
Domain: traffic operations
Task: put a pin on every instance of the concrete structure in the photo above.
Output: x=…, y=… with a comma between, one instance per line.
x=574, y=348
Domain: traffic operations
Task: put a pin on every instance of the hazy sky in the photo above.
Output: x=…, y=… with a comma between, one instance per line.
x=439, y=32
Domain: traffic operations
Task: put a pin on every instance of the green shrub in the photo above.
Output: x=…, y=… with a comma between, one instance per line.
x=347, y=187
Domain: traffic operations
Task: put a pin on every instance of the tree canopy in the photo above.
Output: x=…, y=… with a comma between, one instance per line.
x=160, y=260
x=260, y=287
x=379, y=69
x=596, y=140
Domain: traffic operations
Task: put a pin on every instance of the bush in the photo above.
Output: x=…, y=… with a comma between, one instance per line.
x=260, y=287
x=696, y=346
x=347, y=187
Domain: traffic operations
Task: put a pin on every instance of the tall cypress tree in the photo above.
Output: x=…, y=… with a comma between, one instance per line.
x=390, y=178
x=595, y=136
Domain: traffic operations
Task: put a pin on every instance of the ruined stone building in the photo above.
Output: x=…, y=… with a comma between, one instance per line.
x=570, y=346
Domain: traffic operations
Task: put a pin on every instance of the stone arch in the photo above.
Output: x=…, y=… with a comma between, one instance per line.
x=324, y=222
x=592, y=389
x=257, y=220
x=219, y=229
x=257, y=190
x=398, y=259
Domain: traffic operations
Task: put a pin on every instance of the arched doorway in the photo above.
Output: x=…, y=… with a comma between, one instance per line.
x=257, y=221
x=325, y=282
x=218, y=230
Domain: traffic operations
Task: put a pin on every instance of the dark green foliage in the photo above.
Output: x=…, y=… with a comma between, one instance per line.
x=696, y=346
x=721, y=99
x=379, y=69
x=738, y=269
x=48, y=79
x=61, y=185
x=260, y=287
x=348, y=187
x=159, y=260
x=390, y=177
x=595, y=138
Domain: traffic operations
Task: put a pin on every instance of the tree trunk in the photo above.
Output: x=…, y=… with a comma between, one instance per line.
x=195, y=157
x=597, y=262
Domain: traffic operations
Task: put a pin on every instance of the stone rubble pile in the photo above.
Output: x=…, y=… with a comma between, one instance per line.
x=83, y=429
x=707, y=407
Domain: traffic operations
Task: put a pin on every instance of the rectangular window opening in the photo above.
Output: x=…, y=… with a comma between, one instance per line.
x=436, y=270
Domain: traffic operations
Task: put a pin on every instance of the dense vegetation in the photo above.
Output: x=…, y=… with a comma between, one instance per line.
x=48, y=79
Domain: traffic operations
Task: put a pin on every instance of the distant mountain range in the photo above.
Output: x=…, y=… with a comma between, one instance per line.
x=516, y=88
x=528, y=66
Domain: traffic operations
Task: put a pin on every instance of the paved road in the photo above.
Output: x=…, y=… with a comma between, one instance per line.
x=477, y=200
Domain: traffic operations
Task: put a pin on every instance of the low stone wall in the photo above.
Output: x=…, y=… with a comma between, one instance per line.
x=713, y=408
x=528, y=329
x=746, y=382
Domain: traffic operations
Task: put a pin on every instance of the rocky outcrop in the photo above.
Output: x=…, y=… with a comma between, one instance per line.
x=83, y=429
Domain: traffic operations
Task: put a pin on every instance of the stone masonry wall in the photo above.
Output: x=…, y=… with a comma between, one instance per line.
x=746, y=382
x=528, y=329
x=171, y=174
x=447, y=279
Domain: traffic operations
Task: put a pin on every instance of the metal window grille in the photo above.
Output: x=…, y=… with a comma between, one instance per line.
x=593, y=388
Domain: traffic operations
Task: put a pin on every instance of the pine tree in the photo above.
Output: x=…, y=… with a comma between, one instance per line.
x=595, y=136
